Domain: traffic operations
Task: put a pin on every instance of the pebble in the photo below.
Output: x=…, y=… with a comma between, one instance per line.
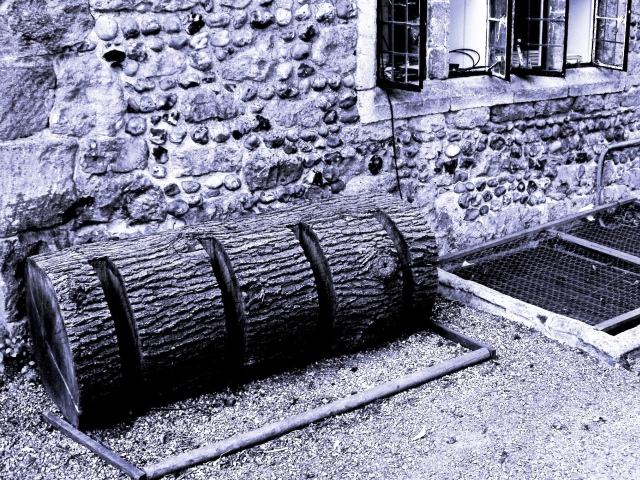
x=319, y=83
x=220, y=39
x=136, y=126
x=200, y=135
x=194, y=200
x=167, y=84
x=330, y=117
x=147, y=104
x=232, y=182
x=267, y=93
x=302, y=13
x=452, y=150
x=240, y=20
x=156, y=44
x=171, y=190
x=137, y=51
x=190, y=186
x=160, y=154
x=305, y=70
x=199, y=41
x=129, y=27
x=130, y=68
x=259, y=20
x=172, y=24
x=106, y=28
x=214, y=182
x=158, y=136
x=308, y=135
x=334, y=81
x=243, y=38
x=159, y=171
x=283, y=17
x=218, y=20
x=325, y=12
x=348, y=99
x=345, y=9
x=301, y=51
x=334, y=141
x=177, y=208
x=150, y=26
x=179, y=42
x=177, y=136
x=200, y=60
x=248, y=93
x=194, y=24
x=251, y=142
x=284, y=70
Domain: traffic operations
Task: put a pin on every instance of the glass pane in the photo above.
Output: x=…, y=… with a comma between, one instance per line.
x=399, y=41
x=539, y=36
x=610, y=33
x=497, y=46
x=498, y=9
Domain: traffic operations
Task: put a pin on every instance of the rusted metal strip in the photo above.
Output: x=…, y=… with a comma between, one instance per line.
x=103, y=452
x=273, y=430
x=619, y=321
x=460, y=338
x=627, y=257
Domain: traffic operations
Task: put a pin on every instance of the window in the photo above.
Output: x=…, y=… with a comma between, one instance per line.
x=401, y=43
x=501, y=37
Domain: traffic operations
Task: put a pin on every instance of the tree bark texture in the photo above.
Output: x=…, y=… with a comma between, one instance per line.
x=175, y=309
x=162, y=316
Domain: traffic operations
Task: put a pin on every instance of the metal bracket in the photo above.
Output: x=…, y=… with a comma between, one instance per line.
x=480, y=352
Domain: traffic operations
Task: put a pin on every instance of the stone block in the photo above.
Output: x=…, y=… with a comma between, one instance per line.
x=142, y=5
x=249, y=65
x=26, y=97
x=40, y=27
x=202, y=106
x=120, y=155
x=89, y=97
x=470, y=118
x=36, y=186
x=13, y=253
x=268, y=169
x=203, y=161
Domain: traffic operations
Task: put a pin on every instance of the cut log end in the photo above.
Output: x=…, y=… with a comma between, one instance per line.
x=51, y=345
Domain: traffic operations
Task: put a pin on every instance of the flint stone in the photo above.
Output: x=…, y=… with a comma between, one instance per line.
x=26, y=97
x=106, y=28
x=203, y=161
x=268, y=169
x=26, y=203
x=203, y=106
x=89, y=97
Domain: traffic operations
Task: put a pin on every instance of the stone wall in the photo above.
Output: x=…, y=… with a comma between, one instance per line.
x=124, y=117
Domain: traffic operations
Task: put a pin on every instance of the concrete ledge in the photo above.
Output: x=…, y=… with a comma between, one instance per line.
x=619, y=350
x=441, y=96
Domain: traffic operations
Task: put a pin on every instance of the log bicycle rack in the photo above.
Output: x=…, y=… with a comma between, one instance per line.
x=480, y=352
x=118, y=326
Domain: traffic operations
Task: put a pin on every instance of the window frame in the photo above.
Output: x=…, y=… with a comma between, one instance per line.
x=381, y=79
x=625, y=52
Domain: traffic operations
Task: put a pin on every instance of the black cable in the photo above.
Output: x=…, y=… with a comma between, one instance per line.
x=464, y=51
x=393, y=142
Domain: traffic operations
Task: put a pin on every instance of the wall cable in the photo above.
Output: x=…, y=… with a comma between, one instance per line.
x=393, y=143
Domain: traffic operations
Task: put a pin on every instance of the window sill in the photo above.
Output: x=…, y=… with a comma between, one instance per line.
x=440, y=96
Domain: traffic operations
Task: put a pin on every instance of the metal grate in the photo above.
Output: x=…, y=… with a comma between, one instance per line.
x=563, y=278
x=619, y=230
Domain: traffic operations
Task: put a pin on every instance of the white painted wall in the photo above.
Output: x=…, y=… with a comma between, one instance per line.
x=580, y=33
x=468, y=29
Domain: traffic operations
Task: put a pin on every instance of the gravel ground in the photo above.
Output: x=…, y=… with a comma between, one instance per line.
x=538, y=410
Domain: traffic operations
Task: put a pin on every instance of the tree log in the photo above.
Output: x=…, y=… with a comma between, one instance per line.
x=74, y=338
x=159, y=317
